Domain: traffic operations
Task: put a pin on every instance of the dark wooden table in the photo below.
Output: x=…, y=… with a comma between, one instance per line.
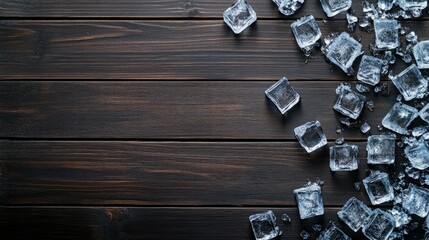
x=146, y=119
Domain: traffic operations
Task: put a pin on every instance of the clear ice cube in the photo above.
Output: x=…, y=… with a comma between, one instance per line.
x=421, y=54
x=333, y=7
x=379, y=226
x=264, y=225
x=306, y=32
x=344, y=157
x=364, y=128
x=370, y=70
x=311, y=136
x=343, y=51
x=348, y=102
x=417, y=152
x=386, y=33
x=354, y=213
x=416, y=200
x=283, y=95
x=411, y=83
x=399, y=118
x=288, y=7
x=381, y=149
x=309, y=201
x=239, y=16
x=424, y=113
x=333, y=232
x=378, y=187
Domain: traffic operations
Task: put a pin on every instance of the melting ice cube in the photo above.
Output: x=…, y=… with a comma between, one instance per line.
x=311, y=136
x=307, y=33
x=309, y=201
x=386, y=33
x=354, y=213
x=399, y=118
x=333, y=7
x=416, y=200
x=379, y=226
x=239, y=16
x=381, y=149
x=348, y=102
x=378, y=187
x=421, y=54
x=283, y=95
x=344, y=157
x=333, y=232
x=264, y=225
x=370, y=70
x=411, y=83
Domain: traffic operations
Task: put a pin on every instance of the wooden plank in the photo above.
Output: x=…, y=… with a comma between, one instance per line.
x=162, y=50
x=169, y=110
x=146, y=9
x=169, y=173
x=154, y=223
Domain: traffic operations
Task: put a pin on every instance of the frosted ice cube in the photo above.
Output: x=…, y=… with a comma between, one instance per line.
x=348, y=102
x=311, y=136
x=354, y=213
x=333, y=7
x=381, y=149
x=378, y=187
x=424, y=113
x=411, y=83
x=399, y=118
x=342, y=51
x=416, y=200
x=386, y=33
x=288, y=7
x=421, y=54
x=306, y=32
x=333, y=232
x=370, y=70
x=283, y=95
x=264, y=225
x=344, y=157
x=379, y=226
x=385, y=4
x=239, y=16
x=309, y=201
x=417, y=152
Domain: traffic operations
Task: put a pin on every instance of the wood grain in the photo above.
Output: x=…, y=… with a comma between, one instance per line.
x=169, y=110
x=169, y=173
x=160, y=50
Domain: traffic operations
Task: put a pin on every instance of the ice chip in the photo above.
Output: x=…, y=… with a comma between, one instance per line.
x=288, y=7
x=264, y=225
x=411, y=83
x=379, y=226
x=342, y=51
x=309, y=201
x=386, y=33
x=311, y=136
x=333, y=7
x=417, y=152
x=354, y=213
x=421, y=54
x=370, y=70
x=344, y=157
x=381, y=149
x=416, y=200
x=283, y=95
x=378, y=187
x=333, y=232
x=351, y=22
x=348, y=102
x=399, y=118
x=364, y=128
x=307, y=33
x=239, y=16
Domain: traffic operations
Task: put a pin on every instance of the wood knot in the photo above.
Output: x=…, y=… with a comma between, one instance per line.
x=116, y=214
x=190, y=9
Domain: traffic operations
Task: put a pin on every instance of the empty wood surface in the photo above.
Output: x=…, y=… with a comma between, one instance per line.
x=160, y=50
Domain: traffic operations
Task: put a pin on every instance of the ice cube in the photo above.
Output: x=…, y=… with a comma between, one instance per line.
x=311, y=136
x=378, y=187
x=342, y=51
x=412, y=4
x=416, y=200
x=400, y=215
x=379, y=226
x=283, y=95
x=333, y=7
x=333, y=232
x=424, y=113
x=381, y=149
x=417, y=152
x=421, y=54
x=344, y=157
x=386, y=33
x=309, y=201
x=288, y=7
x=351, y=22
x=348, y=102
x=364, y=128
x=385, y=4
x=306, y=32
x=411, y=83
x=239, y=16
x=370, y=70
x=399, y=118
x=354, y=213
x=264, y=225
